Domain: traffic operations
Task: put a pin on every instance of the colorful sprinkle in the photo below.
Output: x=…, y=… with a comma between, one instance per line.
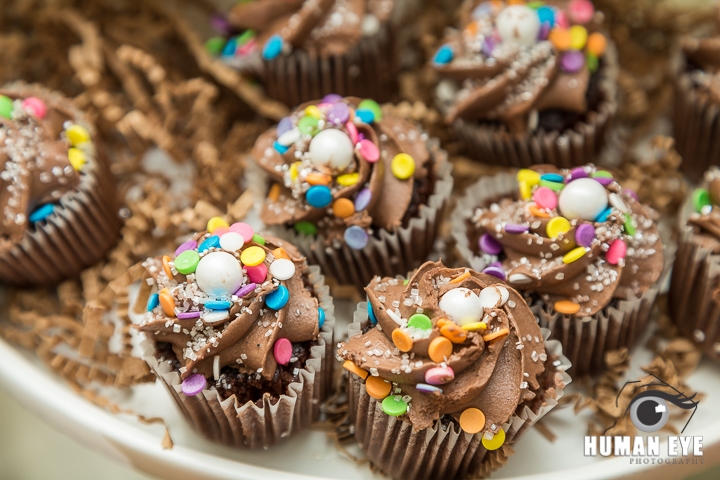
x=402, y=340
x=186, y=315
x=282, y=269
x=273, y=47
x=425, y=388
x=453, y=332
x=616, y=252
x=210, y=242
x=574, y=254
x=282, y=350
x=367, y=116
x=6, y=107
x=552, y=177
x=530, y=176
x=572, y=61
x=245, y=289
x=339, y=113
x=439, y=375
x=319, y=196
x=187, y=262
x=581, y=11
x=472, y=420
x=403, y=166
x=495, y=272
x=352, y=368
x=307, y=228
x=474, y=327
x=309, y=125
x=343, y=208
x=218, y=305
x=420, y=321
x=77, y=158
x=321, y=318
x=394, y=405
x=510, y=228
x=35, y=107
x=377, y=387
x=444, y=55
x=232, y=241
x=496, y=442
x=369, y=151
x=596, y=44
x=545, y=198
x=371, y=314
x=166, y=266
x=193, y=385
x=567, y=307
x=489, y=244
x=77, y=134
x=258, y=239
x=167, y=302
x=492, y=336
x=257, y=274
x=252, y=256
x=440, y=349
x=349, y=179
x=373, y=106
x=584, y=235
x=700, y=199
x=629, y=227
x=277, y=299
x=356, y=237
x=460, y=278
x=153, y=302
x=42, y=213
x=245, y=230
x=557, y=226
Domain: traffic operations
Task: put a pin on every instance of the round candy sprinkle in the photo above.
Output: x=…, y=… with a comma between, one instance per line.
x=596, y=44
x=153, y=302
x=700, y=199
x=6, y=107
x=363, y=199
x=403, y=166
x=352, y=368
x=216, y=222
x=35, y=107
x=631, y=193
x=282, y=351
x=290, y=137
x=402, y=340
x=557, y=226
x=439, y=375
x=281, y=253
x=560, y=38
x=617, y=202
x=554, y=186
x=475, y=326
x=545, y=198
x=228, y=49
x=603, y=180
x=339, y=113
x=584, y=235
x=495, y=272
x=472, y=420
x=77, y=158
x=442, y=321
x=218, y=305
x=348, y=179
x=232, y=241
x=578, y=37
x=525, y=190
x=443, y=55
x=218, y=273
x=369, y=151
x=425, y=388
x=308, y=125
x=245, y=289
x=581, y=11
x=496, y=442
x=319, y=196
x=371, y=314
x=530, y=176
x=420, y=321
x=193, y=385
x=318, y=179
x=166, y=266
x=574, y=254
x=282, y=269
x=252, y=256
x=461, y=305
x=377, y=387
x=42, y=213
x=489, y=244
x=583, y=198
x=604, y=215
x=167, y=302
x=561, y=19
x=567, y=307
x=616, y=252
x=210, y=242
x=307, y=228
x=535, y=211
x=331, y=148
x=394, y=405
x=572, y=61
x=186, y=315
x=352, y=131
x=187, y=261
x=313, y=111
x=277, y=299
x=373, y=106
x=343, y=208
x=285, y=125
x=272, y=47
x=331, y=98
x=366, y=116
x=601, y=174
x=356, y=237
x=220, y=231
x=77, y=134
x=440, y=349
x=258, y=239
x=578, y=172
x=629, y=227
x=552, y=177
x=245, y=230
x=257, y=274
x=321, y=318
x=453, y=332
x=510, y=228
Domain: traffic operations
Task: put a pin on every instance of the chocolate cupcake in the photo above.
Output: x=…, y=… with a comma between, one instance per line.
x=58, y=203
x=584, y=252
x=694, y=298
x=357, y=191
x=448, y=369
x=528, y=85
x=239, y=330
x=311, y=48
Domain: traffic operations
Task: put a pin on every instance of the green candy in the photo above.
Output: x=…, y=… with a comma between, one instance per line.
x=187, y=262
x=554, y=186
x=629, y=228
x=602, y=174
x=6, y=107
x=592, y=62
x=308, y=125
x=258, y=239
x=420, y=321
x=394, y=405
x=245, y=37
x=373, y=106
x=535, y=5
x=308, y=228
x=406, y=281
x=700, y=199
x=214, y=46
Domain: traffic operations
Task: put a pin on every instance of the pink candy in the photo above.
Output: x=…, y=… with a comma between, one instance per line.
x=352, y=131
x=561, y=19
x=35, y=106
x=243, y=229
x=369, y=151
x=193, y=385
x=616, y=252
x=439, y=375
x=257, y=274
x=220, y=231
x=282, y=351
x=545, y=198
x=581, y=11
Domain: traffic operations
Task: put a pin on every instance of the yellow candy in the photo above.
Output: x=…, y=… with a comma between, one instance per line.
x=77, y=134
x=496, y=442
x=472, y=327
x=294, y=170
x=578, y=37
x=574, y=254
x=313, y=111
x=77, y=158
x=557, y=226
x=403, y=166
x=216, y=222
x=530, y=176
x=252, y=256
x=525, y=190
x=348, y=179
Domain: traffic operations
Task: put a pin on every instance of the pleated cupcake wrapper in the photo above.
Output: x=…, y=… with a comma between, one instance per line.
x=569, y=148
x=696, y=123
x=585, y=340
x=441, y=451
x=82, y=228
x=694, y=304
x=393, y=253
x=367, y=70
x=250, y=426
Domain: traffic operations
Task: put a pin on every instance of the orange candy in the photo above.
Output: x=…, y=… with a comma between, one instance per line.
x=560, y=38
x=352, y=368
x=377, y=387
x=567, y=307
x=281, y=253
x=274, y=193
x=454, y=333
x=596, y=44
x=317, y=179
x=402, y=340
x=440, y=349
x=343, y=208
x=166, y=266
x=535, y=211
x=460, y=278
x=167, y=302
x=494, y=335
x=441, y=322
x=472, y=420
x=471, y=28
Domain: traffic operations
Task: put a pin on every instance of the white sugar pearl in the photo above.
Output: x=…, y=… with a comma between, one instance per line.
x=232, y=242
x=282, y=269
x=490, y=297
x=617, y=202
x=462, y=306
x=370, y=25
x=290, y=137
x=518, y=24
x=219, y=273
x=583, y=198
x=519, y=279
x=211, y=318
x=504, y=294
x=331, y=148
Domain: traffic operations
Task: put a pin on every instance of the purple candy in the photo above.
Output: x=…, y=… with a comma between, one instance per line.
x=331, y=98
x=245, y=289
x=189, y=245
x=339, y=113
x=584, y=235
x=361, y=137
x=488, y=46
x=219, y=23
x=185, y=315
x=544, y=31
x=578, y=172
x=495, y=272
x=363, y=200
x=496, y=264
x=603, y=180
x=631, y=193
x=488, y=244
x=424, y=387
x=285, y=125
x=193, y=385
x=510, y=228
x=572, y=61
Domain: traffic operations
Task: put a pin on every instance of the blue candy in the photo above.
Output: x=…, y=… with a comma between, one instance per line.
x=273, y=47
x=218, y=305
x=443, y=55
x=552, y=177
x=365, y=115
x=319, y=196
x=321, y=317
x=604, y=215
x=153, y=302
x=371, y=314
x=277, y=299
x=229, y=49
x=280, y=148
x=42, y=213
x=212, y=242
x=546, y=15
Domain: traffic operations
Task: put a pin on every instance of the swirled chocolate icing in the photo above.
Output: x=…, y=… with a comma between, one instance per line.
x=494, y=375
x=586, y=271
x=706, y=219
x=323, y=27
x=704, y=57
x=379, y=198
x=509, y=62
x=246, y=337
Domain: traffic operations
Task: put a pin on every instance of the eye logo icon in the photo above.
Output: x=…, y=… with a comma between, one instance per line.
x=649, y=409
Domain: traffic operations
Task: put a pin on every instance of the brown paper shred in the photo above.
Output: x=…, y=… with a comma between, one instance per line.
x=167, y=442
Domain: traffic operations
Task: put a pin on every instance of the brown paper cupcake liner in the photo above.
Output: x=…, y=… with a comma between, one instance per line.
x=569, y=148
x=391, y=254
x=585, y=340
x=443, y=450
x=250, y=426
x=83, y=227
x=693, y=297
x=367, y=70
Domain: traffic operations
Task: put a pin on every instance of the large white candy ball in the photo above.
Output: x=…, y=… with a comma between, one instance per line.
x=462, y=306
x=219, y=273
x=583, y=198
x=331, y=148
x=518, y=24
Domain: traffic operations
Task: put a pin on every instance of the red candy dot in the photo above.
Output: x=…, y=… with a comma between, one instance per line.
x=545, y=198
x=282, y=351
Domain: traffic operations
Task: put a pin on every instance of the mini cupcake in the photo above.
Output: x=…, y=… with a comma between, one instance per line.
x=527, y=85
x=58, y=202
x=355, y=190
x=239, y=329
x=448, y=370
x=694, y=298
x=311, y=48
x=584, y=252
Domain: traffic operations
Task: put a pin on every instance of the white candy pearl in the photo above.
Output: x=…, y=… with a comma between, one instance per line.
x=232, y=241
x=518, y=24
x=583, y=198
x=290, y=137
x=282, y=268
x=462, y=306
x=331, y=148
x=219, y=273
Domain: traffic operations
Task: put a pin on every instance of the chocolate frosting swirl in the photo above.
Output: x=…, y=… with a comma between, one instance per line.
x=244, y=340
x=706, y=221
x=494, y=375
x=704, y=54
